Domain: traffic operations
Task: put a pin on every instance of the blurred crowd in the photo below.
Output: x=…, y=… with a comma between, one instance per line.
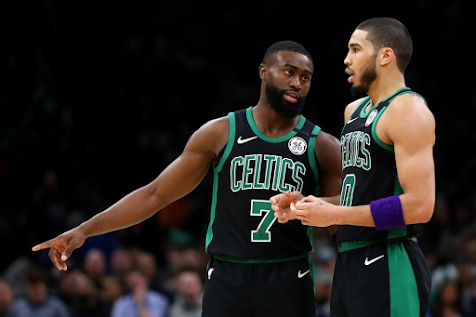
x=95, y=103
x=127, y=283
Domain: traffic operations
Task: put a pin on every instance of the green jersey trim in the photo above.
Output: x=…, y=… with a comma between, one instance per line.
x=231, y=142
x=357, y=244
x=257, y=131
x=364, y=113
x=311, y=152
x=386, y=146
x=250, y=261
x=209, y=236
x=216, y=171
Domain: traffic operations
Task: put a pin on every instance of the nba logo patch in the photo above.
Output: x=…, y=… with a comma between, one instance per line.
x=297, y=145
x=210, y=271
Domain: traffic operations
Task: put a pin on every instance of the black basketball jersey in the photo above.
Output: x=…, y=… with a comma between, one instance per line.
x=253, y=168
x=369, y=169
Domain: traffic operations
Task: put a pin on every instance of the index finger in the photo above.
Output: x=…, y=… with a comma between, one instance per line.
x=44, y=245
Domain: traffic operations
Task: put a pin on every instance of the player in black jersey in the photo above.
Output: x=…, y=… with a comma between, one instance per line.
x=388, y=185
x=257, y=267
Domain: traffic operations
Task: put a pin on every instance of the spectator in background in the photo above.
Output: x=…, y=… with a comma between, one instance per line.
x=122, y=262
x=94, y=266
x=81, y=296
x=141, y=301
x=111, y=292
x=146, y=262
x=6, y=299
x=189, y=293
x=448, y=303
x=38, y=303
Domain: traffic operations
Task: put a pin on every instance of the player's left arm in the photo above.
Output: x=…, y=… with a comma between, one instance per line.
x=330, y=173
x=409, y=126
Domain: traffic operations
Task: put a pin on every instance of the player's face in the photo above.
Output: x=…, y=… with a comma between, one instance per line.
x=288, y=80
x=361, y=63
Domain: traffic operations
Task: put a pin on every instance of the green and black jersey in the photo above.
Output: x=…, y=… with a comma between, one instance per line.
x=369, y=169
x=251, y=169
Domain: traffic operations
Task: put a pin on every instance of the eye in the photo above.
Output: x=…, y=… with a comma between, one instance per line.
x=305, y=78
x=288, y=72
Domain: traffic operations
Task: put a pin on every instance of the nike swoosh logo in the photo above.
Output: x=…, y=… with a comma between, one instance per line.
x=241, y=141
x=368, y=262
x=352, y=120
x=301, y=275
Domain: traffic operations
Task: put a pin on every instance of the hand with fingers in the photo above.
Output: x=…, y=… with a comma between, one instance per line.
x=313, y=211
x=281, y=205
x=62, y=247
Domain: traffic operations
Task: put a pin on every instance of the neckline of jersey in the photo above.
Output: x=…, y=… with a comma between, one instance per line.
x=364, y=113
x=257, y=131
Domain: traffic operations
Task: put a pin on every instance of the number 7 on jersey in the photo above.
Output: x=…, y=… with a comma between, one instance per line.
x=258, y=208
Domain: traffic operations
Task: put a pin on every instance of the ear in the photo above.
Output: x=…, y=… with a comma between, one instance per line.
x=386, y=56
x=262, y=71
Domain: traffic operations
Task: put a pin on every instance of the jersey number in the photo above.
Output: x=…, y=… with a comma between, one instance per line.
x=258, y=208
x=347, y=193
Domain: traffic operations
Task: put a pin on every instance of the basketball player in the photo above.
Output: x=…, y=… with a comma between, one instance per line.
x=257, y=267
x=388, y=185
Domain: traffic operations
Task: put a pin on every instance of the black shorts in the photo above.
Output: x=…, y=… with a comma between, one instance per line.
x=381, y=280
x=278, y=289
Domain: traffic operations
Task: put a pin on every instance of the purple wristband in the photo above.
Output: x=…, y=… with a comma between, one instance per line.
x=387, y=213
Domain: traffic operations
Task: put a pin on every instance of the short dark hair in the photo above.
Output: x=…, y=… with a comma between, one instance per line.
x=389, y=32
x=288, y=46
x=187, y=268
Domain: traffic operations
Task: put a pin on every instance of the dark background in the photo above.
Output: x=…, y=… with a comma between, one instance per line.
x=97, y=97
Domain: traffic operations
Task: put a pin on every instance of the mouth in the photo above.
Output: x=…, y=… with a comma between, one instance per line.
x=351, y=74
x=292, y=96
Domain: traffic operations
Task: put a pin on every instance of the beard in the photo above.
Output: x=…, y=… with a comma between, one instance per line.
x=280, y=105
x=368, y=77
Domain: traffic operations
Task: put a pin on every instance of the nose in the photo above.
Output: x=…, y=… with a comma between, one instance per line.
x=347, y=60
x=296, y=83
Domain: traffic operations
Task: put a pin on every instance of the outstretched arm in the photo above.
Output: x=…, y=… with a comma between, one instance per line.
x=181, y=177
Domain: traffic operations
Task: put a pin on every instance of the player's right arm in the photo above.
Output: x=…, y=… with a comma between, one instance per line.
x=181, y=177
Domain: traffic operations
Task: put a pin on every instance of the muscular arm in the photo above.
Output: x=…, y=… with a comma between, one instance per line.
x=177, y=180
x=328, y=153
x=182, y=176
x=409, y=126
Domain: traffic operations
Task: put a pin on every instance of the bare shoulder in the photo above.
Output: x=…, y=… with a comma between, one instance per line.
x=406, y=116
x=411, y=108
x=218, y=125
x=327, y=149
x=326, y=140
x=211, y=136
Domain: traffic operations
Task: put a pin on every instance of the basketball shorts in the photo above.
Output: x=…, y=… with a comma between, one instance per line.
x=381, y=280
x=278, y=289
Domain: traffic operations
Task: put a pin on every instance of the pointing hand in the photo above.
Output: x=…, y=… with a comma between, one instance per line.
x=62, y=247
